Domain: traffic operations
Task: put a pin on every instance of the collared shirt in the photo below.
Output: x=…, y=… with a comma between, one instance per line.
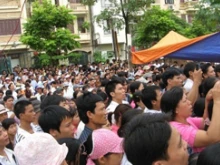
x=146, y=110
x=9, y=160
x=188, y=85
x=112, y=106
x=85, y=134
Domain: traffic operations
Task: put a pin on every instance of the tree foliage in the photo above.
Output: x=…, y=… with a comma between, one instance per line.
x=155, y=24
x=45, y=32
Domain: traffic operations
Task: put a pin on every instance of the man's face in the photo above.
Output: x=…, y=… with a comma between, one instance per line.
x=119, y=93
x=66, y=129
x=29, y=115
x=177, y=150
x=210, y=72
x=4, y=140
x=99, y=117
x=9, y=103
x=176, y=81
x=157, y=101
x=3, y=116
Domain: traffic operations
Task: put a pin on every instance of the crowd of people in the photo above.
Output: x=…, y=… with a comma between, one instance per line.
x=110, y=114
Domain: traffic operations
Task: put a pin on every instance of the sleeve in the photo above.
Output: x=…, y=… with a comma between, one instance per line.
x=197, y=121
x=187, y=132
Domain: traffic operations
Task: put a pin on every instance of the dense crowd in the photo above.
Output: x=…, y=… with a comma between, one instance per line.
x=110, y=114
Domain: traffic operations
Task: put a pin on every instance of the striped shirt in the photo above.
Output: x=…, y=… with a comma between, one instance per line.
x=85, y=134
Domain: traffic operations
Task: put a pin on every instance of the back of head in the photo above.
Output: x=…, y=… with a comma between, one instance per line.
x=126, y=118
x=199, y=107
x=20, y=107
x=169, y=74
x=87, y=102
x=73, y=145
x=52, y=116
x=209, y=84
x=120, y=110
x=134, y=86
x=205, y=67
x=153, y=133
x=190, y=66
x=210, y=155
x=52, y=100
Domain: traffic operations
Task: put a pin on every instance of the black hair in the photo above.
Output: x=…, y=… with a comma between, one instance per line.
x=134, y=86
x=199, y=107
x=126, y=118
x=148, y=95
x=210, y=109
x=169, y=74
x=74, y=148
x=146, y=139
x=210, y=155
x=52, y=116
x=87, y=102
x=217, y=69
x=208, y=84
x=136, y=98
x=110, y=87
x=103, y=95
x=119, y=111
x=8, y=93
x=205, y=67
x=7, y=123
x=190, y=66
x=20, y=107
x=52, y=100
x=170, y=100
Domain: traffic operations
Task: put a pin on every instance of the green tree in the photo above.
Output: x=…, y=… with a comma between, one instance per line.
x=207, y=18
x=155, y=24
x=45, y=32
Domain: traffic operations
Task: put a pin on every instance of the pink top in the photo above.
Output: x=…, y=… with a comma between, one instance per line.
x=188, y=132
x=132, y=104
x=114, y=128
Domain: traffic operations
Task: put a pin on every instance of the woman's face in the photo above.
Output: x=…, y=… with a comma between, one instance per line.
x=184, y=107
x=12, y=130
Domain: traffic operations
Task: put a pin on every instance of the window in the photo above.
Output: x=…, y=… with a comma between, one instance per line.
x=189, y=18
x=80, y=21
x=75, y=1
x=169, y=1
x=8, y=26
x=106, y=3
x=71, y=27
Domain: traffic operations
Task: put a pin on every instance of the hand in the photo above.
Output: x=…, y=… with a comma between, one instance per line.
x=197, y=76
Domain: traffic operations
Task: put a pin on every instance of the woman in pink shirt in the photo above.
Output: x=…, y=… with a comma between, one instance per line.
x=175, y=103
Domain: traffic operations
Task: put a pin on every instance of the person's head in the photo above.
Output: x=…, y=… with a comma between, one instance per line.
x=210, y=155
x=119, y=111
x=91, y=109
x=3, y=113
x=74, y=150
x=207, y=70
x=11, y=86
x=217, y=71
x=208, y=84
x=4, y=140
x=104, y=147
x=126, y=118
x=136, y=86
x=189, y=68
x=24, y=111
x=199, y=107
x=54, y=100
x=36, y=104
x=175, y=103
x=151, y=97
x=8, y=101
x=57, y=121
x=158, y=143
x=115, y=91
x=136, y=97
x=171, y=77
x=10, y=126
x=46, y=150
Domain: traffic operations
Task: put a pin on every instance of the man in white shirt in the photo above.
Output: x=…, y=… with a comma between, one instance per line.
x=151, y=97
x=116, y=93
x=24, y=111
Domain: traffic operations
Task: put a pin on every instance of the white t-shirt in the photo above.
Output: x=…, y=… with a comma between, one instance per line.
x=188, y=85
x=112, y=106
x=10, y=159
